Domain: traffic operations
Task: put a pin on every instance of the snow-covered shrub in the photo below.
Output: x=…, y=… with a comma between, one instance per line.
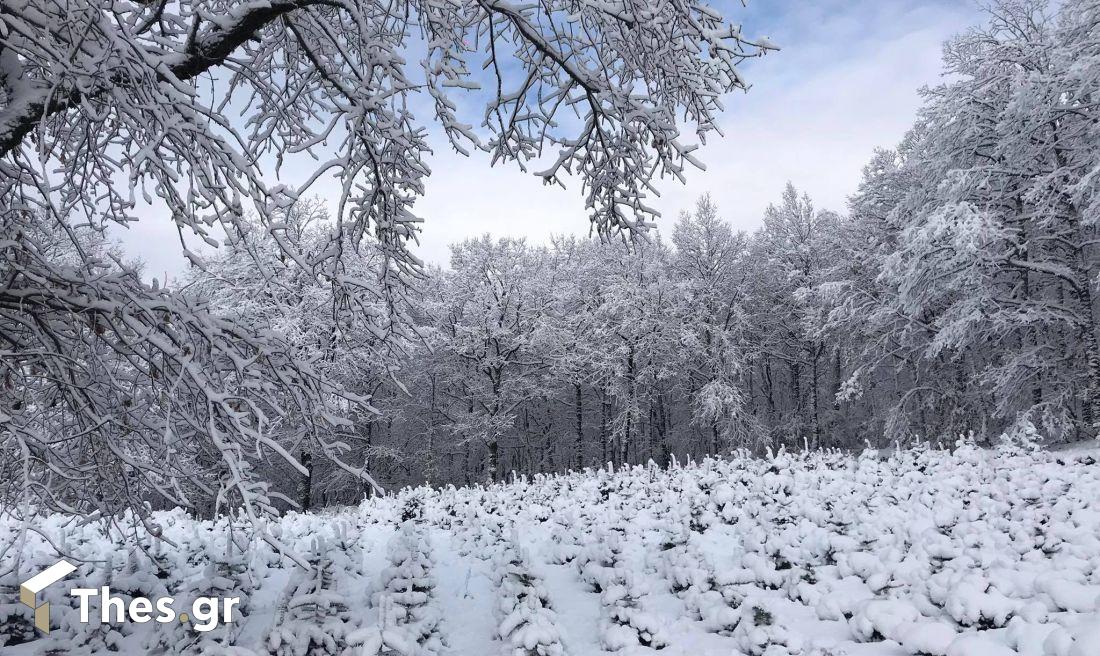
x=95, y=636
x=15, y=622
x=1080, y=637
x=717, y=611
x=225, y=575
x=596, y=561
x=141, y=576
x=1070, y=595
x=925, y=638
x=389, y=637
x=683, y=566
x=564, y=540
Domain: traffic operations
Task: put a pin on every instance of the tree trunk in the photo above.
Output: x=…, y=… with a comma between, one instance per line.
x=579, y=443
x=605, y=437
x=815, y=406
x=305, y=485
x=493, y=460
x=368, y=489
x=799, y=403
x=1091, y=409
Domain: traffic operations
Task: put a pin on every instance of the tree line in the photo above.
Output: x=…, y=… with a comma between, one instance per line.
x=955, y=294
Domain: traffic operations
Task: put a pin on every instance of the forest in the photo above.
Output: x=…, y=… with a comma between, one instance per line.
x=311, y=358
x=953, y=296
x=870, y=428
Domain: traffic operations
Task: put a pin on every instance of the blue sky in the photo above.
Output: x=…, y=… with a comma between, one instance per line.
x=845, y=82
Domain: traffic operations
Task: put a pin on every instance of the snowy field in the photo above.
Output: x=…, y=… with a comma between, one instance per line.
x=971, y=553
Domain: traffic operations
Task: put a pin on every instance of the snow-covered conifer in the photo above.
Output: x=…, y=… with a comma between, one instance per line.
x=313, y=618
x=528, y=624
x=626, y=624
x=408, y=582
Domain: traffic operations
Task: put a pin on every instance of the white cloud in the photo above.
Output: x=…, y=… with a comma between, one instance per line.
x=845, y=82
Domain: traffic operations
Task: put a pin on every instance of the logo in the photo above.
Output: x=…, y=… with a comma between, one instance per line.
x=29, y=589
x=205, y=612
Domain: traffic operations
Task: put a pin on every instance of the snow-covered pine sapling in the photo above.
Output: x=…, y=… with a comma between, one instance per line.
x=564, y=546
x=410, y=584
x=596, y=561
x=467, y=530
x=15, y=623
x=347, y=550
x=973, y=601
x=314, y=619
x=224, y=576
x=389, y=637
x=682, y=565
x=412, y=509
x=95, y=636
x=691, y=578
x=718, y=610
x=701, y=512
x=528, y=626
x=626, y=625
x=140, y=576
x=882, y=619
x=564, y=538
x=759, y=631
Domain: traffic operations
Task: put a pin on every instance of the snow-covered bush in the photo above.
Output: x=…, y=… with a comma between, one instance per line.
x=882, y=619
x=596, y=561
x=225, y=575
x=389, y=637
x=15, y=623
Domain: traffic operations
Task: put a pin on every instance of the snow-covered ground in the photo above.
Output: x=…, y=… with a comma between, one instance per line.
x=971, y=553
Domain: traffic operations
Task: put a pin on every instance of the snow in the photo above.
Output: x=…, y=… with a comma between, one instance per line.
x=927, y=637
x=918, y=552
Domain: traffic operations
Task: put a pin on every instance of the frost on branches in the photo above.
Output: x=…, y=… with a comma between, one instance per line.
x=194, y=108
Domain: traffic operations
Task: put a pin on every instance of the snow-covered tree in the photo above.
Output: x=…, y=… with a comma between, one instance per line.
x=709, y=264
x=998, y=244
x=626, y=624
x=407, y=597
x=111, y=112
x=972, y=248
x=528, y=625
x=488, y=321
x=788, y=255
x=354, y=341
